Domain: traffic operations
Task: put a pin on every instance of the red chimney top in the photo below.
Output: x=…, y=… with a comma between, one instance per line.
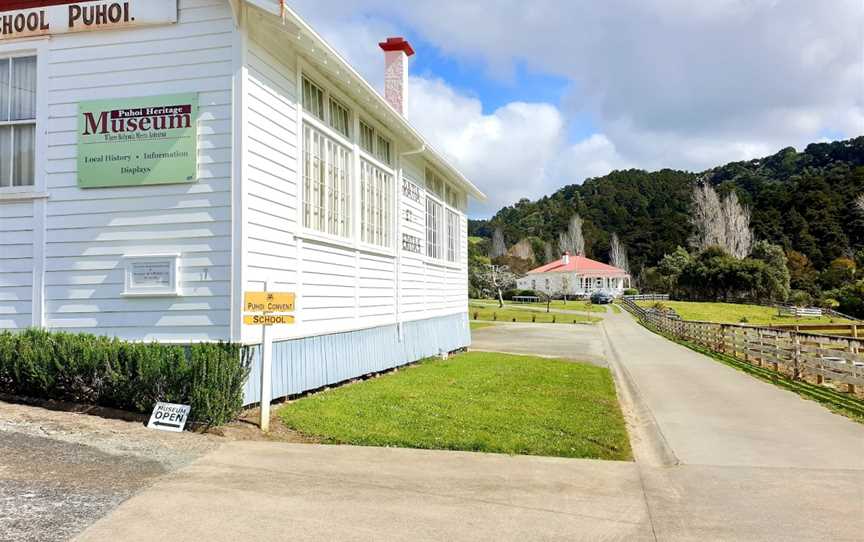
x=397, y=44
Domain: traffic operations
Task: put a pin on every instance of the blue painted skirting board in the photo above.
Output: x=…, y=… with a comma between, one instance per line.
x=306, y=364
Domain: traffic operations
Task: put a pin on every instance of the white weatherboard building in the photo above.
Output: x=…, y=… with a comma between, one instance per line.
x=158, y=158
x=576, y=276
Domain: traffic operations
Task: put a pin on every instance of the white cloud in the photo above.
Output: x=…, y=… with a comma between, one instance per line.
x=668, y=83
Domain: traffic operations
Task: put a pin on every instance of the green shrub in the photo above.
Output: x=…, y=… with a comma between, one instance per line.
x=631, y=291
x=133, y=376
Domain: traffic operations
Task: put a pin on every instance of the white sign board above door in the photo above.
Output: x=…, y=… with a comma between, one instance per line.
x=27, y=18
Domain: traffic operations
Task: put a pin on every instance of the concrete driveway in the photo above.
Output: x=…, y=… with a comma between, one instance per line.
x=580, y=342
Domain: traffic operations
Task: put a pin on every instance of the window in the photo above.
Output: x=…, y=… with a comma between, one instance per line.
x=340, y=118
x=17, y=121
x=383, y=153
x=434, y=211
x=434, y=183
x=367, y=138
x=452, y=236
x=313, y=99
x=376, y=188
x=326, y=184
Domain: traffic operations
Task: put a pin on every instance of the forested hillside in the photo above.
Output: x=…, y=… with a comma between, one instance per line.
x=802, y=201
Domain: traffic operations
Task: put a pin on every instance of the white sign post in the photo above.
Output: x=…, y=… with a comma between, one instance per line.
x=169, y=417
x=266, y=372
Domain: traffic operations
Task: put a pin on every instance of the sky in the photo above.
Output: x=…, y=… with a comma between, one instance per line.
x=527, y=97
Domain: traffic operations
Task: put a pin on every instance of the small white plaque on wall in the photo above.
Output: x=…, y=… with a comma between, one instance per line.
x=151, y=275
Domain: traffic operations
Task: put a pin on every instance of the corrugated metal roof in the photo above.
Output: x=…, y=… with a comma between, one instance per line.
x=581, y=265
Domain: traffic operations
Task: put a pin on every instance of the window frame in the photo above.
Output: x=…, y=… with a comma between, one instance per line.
x=36, y=47
x=354, y=240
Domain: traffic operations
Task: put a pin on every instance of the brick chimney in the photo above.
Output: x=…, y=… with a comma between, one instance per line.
x=396, y=53
x=566, y=258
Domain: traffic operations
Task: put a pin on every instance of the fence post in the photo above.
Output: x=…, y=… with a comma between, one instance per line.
x=796, y=372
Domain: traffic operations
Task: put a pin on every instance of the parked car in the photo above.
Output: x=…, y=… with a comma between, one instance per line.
x=602, y=298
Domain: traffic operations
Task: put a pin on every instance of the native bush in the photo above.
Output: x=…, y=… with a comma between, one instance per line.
x=132, y=376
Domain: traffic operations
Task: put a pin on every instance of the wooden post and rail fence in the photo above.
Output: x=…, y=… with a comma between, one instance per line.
x=828, y=360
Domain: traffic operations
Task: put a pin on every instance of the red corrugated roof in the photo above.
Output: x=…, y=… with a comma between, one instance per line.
x=580, y=264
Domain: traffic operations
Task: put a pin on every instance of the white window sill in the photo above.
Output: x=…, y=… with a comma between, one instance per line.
x=343, y=242
x=24, y=193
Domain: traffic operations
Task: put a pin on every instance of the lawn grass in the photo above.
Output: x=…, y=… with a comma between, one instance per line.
x=616, y=309
x=515, y=314
x=484, y=402
x=732, y=313
x=481, y=325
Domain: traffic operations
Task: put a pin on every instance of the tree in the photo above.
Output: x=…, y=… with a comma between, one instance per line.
x=548, y=256
x=496, y=279
x=840, y=272
x=618, y=254
x=802, y=275
x=499, y=248
x=573, y=240
x=723, y=223
x=777, y=286
x=860, y=203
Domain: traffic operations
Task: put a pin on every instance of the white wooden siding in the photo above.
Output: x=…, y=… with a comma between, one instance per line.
x=340, y=288
x=16, y=265
x=89, y=231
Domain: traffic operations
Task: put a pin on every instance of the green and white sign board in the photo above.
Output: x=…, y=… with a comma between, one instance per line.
x=138, y=141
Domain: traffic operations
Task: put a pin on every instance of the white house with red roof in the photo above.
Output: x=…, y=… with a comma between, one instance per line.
x=575, y=276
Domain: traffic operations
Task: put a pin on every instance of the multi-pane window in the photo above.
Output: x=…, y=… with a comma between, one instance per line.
x=376, y=189
x=313, y=99
x=17, y=121
x=326, y=184
x=340, y=118
x=434, y=212
x=375, y=144
x=452, y=236
x=367, y=138
x=383, y=150
x=434, y=183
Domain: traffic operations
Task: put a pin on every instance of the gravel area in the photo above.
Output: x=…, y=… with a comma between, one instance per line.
x=61, y=471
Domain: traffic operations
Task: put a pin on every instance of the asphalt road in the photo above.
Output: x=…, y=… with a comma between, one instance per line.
x=50, y=490
x=578, y=342
x=61, y=471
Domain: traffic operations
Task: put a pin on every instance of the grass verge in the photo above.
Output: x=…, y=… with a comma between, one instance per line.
x=732, y=313
x=835, y=401
x=481, y=325
x=482, y=402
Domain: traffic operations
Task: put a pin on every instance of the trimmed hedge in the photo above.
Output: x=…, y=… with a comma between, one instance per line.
x=131, y=376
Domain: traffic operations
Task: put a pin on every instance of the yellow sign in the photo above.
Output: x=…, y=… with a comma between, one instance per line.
x=268, y=302
x=267, y=319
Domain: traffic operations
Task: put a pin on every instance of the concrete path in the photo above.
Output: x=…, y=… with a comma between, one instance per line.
x=745, y=460
x=582, y=342
x=249, y=491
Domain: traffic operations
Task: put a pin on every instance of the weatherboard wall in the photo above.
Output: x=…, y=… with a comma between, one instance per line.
x=310, y=363
x=341, y=286
x=89, y=231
